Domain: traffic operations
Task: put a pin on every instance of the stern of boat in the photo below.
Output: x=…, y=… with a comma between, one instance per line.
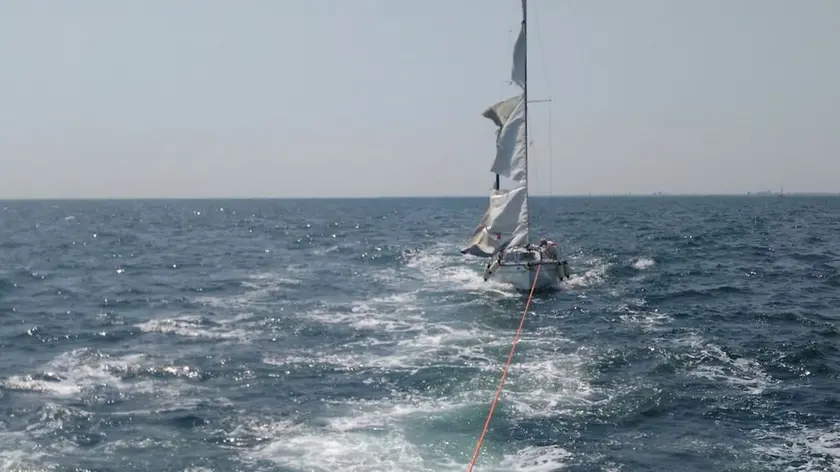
x=518, y=267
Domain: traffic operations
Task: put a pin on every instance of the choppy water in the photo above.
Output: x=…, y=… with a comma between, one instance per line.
x=698, y=334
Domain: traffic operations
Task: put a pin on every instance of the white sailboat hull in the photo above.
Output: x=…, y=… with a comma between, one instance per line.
x=518, y=266
x=522, y=278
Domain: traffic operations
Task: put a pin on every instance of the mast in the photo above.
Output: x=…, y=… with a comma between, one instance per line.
x=525, y=99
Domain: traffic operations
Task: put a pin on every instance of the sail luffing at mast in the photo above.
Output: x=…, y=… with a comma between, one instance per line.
x=505, y=222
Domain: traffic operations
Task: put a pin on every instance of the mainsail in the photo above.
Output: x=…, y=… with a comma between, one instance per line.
x=505, y=222
x=510, y=140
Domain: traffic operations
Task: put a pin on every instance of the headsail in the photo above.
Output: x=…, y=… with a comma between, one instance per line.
x=505, y=222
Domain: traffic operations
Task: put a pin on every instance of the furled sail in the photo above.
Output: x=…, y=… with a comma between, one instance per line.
x=505, y=223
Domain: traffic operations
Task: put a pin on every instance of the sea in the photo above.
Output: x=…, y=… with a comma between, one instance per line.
x=696, y=334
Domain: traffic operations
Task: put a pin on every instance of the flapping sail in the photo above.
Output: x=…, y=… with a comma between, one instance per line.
x=505, y=222
x=510, y=140
x=500, y=112
x=518, y=72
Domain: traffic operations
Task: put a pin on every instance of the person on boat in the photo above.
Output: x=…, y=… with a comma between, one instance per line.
x=495, y=263
x=550, y=247
x=501, y=252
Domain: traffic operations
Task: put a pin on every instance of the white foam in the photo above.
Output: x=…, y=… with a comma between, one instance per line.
x=190, y=326
x=437, y=345
x=536, y=459
x=324, y=250
x=709, y=361
x=73, y=373
x=549, y=386
x=643, y=263
x=259, y=287
x=397, y=312
x=649, y=320
x=419, y=432
x=269, y=281
x=800, y=449
x=314, y=451
x=594, y=271
x=443, y=266
x=81, y=375
x=407, y=338
x=393, y=433
x=377, y=437
x=19, y=453
x=66, y=375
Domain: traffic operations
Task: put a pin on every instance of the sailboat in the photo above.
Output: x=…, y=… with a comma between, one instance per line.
x=503, y=235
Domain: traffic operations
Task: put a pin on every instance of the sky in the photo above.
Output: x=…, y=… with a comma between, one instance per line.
x=338, y=98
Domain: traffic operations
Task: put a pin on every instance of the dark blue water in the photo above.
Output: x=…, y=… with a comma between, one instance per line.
x=698, y=334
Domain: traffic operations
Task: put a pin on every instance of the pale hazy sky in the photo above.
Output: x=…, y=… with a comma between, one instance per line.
x=263, y=98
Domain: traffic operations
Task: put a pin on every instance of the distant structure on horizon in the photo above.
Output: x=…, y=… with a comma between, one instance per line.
x=768, y=193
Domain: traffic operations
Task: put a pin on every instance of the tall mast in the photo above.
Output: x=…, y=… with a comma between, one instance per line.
x=525, y=97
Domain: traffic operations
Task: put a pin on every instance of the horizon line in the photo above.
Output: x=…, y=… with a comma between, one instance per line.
x=419, y=197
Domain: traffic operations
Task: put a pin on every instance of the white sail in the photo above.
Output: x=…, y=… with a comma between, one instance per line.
x=520, y=50
x=510, y=142
x=500, y=112
x=505, y=223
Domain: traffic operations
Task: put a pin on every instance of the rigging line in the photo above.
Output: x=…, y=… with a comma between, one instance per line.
x=505, y=370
